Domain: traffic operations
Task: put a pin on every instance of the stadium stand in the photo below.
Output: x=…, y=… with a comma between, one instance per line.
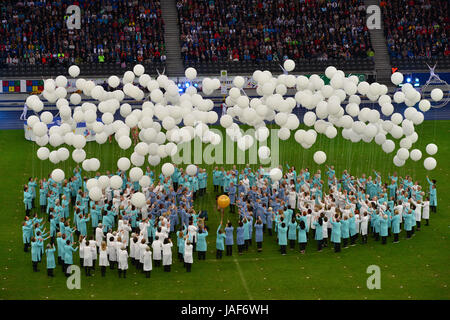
x=244, y=35
x=114, y=33
x=416, y=33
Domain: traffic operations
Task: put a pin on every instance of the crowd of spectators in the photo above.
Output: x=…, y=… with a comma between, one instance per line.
x=273, y=30
x=114, y=31
x=416, y=28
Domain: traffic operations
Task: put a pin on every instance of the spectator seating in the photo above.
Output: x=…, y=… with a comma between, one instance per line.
x=267, y=32
x=416, y=33
x=113, y=32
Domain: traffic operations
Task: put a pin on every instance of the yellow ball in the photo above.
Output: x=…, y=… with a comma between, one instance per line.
x=223, y=201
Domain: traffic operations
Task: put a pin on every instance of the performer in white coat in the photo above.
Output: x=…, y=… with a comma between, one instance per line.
x=147, y=262
x=157, y=251
x=426, y=211
x=167, y=254
x=123, y=262
x=87, y=259
x=99, y=235
x=103, y=258
x=188, y=260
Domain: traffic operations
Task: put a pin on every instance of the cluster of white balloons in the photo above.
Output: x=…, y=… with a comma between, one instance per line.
x=167, y=118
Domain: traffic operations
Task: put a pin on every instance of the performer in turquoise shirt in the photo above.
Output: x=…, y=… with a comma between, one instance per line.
x=433, y=194
x=282, y=237
x=384, y=228
x=319, y=234
x=27, y=200
x=220, y=241
x=68, y=256
x=50, y=253
x=202, y=181
x=216, y=179
x=336, y=233
x=35, y=252
x=201, y=243
x=395, y=223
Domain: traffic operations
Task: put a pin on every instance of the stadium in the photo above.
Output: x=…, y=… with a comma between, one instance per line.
x=224, y=150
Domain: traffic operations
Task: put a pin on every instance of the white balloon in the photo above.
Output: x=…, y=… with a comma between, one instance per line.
x=135, y=174
x=436, y=95
x=137, y=159
x=424, y=105
x=415, y=154
x=406, y=143
x=276, y=174
x=53, y=157
x=330, y=72
x=94, y=164
x=320, y=157
x=139, y=70
x=399, y=97
x=63, y=154
x=289, y=65
x=284, y=133
x=398, y=162
x=397, y=78
x=91, y=183
x=138, y=200
x=116, y=182
x=388, y=146
x=124, y=142
x=78, y=155
x=403, y=154
x=380, y=138
x=144, y=181
x=79, y=141
x=40, y=129
x=125, y=110
x=167, y=169
x=191, y=170
x=226, y=121
x=46, y=117
x=309, y=118
x=263, y=152
x=396, y=118
x=429, y=163
x=32, y=120
x=113, y=81
x=43, y=153
x=61, y=81
x=74, y=71
x=387, y=109
x=95, y=194
x=330, y=132
x=104, y=182
x=123, y=164
x=107, y=118
x=431, y=149
x=154, y=160
x=75, y=99
x=238, y=82
x=57, y=175
x=352, y=109
x=190, y=73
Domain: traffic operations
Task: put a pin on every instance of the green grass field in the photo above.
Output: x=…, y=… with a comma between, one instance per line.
x=413, y=269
